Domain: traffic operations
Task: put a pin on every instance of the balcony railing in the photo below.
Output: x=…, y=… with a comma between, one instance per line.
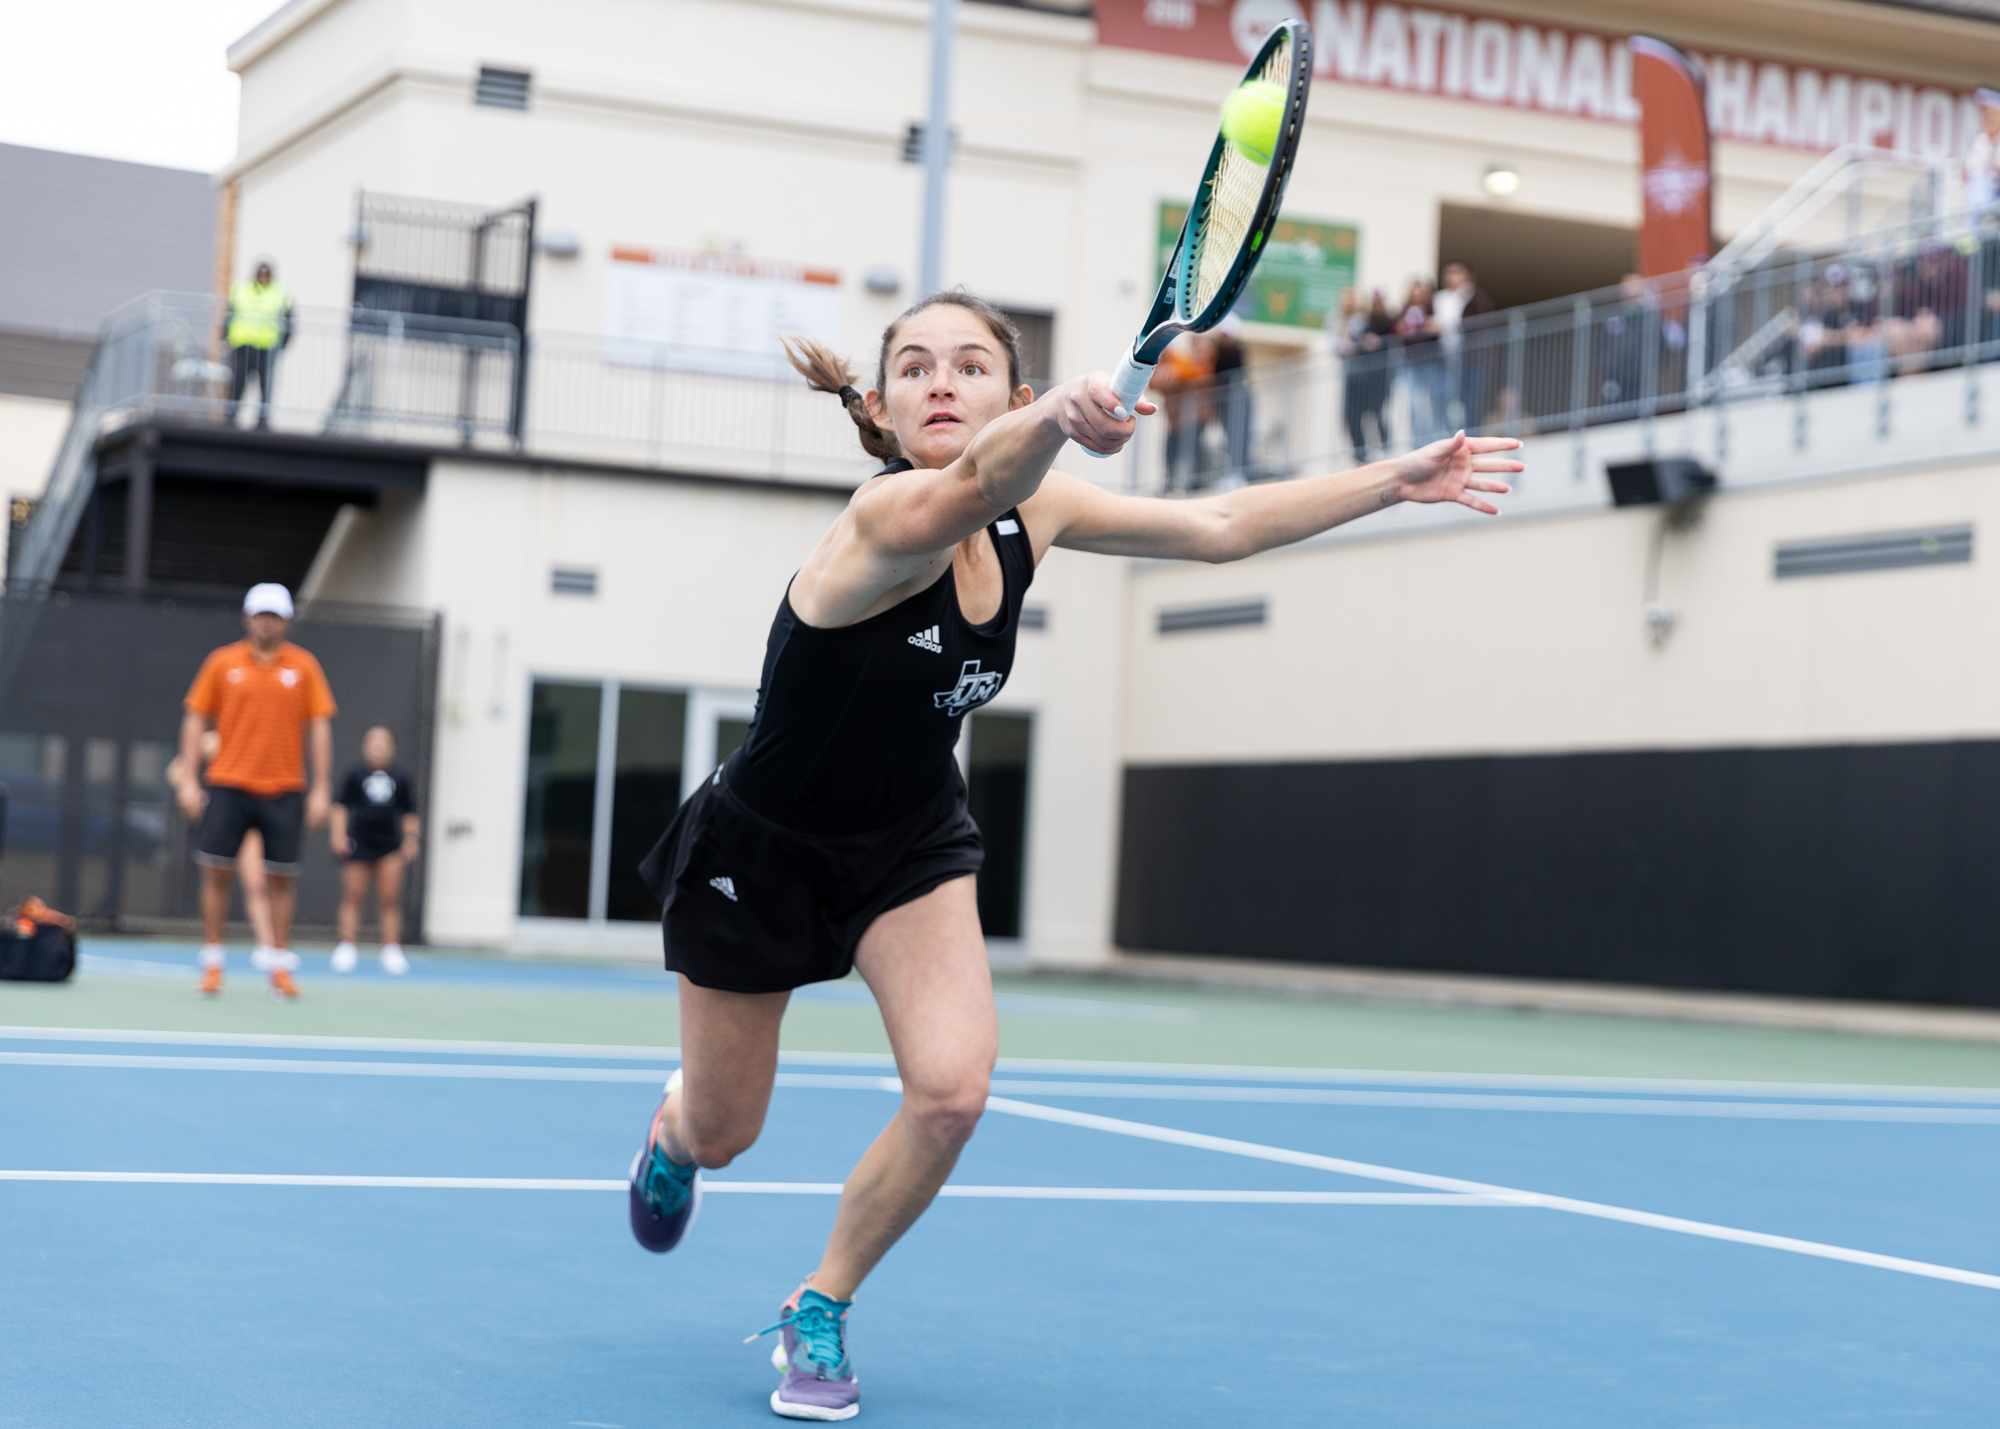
x=1893, y=301
x=357, y=375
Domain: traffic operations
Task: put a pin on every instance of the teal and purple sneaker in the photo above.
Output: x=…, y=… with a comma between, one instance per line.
x=819, y=1381
x=665, y=1195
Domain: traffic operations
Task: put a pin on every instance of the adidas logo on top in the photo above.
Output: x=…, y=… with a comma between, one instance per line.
x=929, y=640
x=725, y=885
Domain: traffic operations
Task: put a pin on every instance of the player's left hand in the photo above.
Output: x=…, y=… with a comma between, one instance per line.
x=318, y=802
x=1085, y=409
x=1457, y=469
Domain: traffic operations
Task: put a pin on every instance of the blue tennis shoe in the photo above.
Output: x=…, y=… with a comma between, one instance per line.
x=665, y=1195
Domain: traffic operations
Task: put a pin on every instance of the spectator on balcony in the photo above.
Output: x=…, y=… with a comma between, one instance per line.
x=257, y=328
x=1926, y=310
x=1231, y=400
x=1362, y=343
x=1982, y=156
x=1425, y=380
x=1839, y=329
x=1620, y=349
x=1181, y=382
x=1465, y=364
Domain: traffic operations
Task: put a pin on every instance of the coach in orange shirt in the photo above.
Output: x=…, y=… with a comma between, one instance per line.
x=266, y=699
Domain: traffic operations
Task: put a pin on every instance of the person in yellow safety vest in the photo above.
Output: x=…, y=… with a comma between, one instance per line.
x=258, y=326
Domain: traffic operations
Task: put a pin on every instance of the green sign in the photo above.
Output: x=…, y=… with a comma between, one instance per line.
x=1305, y=268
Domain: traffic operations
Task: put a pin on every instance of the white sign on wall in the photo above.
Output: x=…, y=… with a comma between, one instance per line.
x=714, y=312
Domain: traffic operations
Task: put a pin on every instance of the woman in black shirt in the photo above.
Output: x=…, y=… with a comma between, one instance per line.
x=375, y=829
x=836, y=838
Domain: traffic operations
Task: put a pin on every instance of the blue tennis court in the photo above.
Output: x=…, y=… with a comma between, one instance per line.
x=226, y=1229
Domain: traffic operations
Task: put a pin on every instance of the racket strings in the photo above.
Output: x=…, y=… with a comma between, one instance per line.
x=1228, y=217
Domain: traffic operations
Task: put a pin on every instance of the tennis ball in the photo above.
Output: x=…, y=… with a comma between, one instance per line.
x=1250, y=119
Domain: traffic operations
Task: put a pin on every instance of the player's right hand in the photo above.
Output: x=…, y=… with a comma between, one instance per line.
x=1084, y=409
x=193, y=800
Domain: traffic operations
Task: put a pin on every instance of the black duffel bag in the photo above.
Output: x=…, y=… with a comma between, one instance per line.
x=36, y=952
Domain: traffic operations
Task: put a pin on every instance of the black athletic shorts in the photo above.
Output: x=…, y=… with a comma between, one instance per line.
x=752, y=906
x=369, y=850
x=232, y=813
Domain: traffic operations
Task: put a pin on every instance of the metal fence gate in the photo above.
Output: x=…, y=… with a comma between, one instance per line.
x=90, y=711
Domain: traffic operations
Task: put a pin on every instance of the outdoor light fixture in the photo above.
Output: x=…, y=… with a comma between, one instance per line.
x=561, y=243
x=355, y=237
x=1501, y=181
x=883, y=280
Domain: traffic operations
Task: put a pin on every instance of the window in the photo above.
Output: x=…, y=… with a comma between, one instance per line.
x=997, y=795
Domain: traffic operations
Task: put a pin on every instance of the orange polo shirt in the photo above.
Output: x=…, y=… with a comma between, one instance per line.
x=261, y=713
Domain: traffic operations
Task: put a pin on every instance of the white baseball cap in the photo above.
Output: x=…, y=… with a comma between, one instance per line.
x=269, y=598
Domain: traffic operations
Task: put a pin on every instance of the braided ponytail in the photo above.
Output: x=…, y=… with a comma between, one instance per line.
x=824, y=372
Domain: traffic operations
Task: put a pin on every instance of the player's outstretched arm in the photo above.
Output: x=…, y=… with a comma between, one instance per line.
x=1232, y=525
x=921, y=512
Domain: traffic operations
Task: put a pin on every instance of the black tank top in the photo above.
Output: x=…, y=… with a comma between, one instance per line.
x=856, y=727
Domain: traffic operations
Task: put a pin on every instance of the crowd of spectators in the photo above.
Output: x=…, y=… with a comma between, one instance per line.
x=1202, y=389
x=1446, y=386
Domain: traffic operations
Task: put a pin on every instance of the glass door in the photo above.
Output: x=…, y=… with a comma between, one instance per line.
x=997, y=796
x=608, y=764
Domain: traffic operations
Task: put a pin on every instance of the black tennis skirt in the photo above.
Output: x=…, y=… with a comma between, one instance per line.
x=752, y=906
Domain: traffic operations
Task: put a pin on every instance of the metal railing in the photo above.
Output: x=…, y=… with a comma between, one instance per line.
x=1908, y=297
x=660, y=404
x=367, y=376
x=345, y=374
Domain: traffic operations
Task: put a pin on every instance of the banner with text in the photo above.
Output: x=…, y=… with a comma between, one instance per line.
x=714, y=312
x=1306, y=266
x=1494, y=59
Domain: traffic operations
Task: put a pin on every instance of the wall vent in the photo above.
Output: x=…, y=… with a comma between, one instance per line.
x=567, y=580
x=913, y=142
x=502, y=88
x=1212, y=617
x=1034, y=617
x=1943, y=546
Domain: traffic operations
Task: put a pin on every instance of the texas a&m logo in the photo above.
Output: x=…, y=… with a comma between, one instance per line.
x=973, y=688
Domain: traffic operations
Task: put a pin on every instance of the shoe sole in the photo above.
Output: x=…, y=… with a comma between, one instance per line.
x=810, y=1411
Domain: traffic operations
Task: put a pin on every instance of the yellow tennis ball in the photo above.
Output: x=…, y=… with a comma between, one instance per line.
x=1251, y=117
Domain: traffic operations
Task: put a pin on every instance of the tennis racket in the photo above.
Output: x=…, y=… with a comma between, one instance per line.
x=1229, y=221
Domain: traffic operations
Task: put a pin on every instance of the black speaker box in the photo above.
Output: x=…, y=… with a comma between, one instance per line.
x=1660, y=480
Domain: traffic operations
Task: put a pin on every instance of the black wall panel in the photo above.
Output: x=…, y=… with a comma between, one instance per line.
x=1847, y=871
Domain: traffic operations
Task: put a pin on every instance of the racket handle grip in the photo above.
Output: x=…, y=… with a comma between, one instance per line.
x=1130, y=380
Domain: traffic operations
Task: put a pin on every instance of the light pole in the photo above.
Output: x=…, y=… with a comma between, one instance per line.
x=937, y=145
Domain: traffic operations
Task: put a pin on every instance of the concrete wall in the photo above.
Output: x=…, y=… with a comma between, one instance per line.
x=636, y=136
x=1525, y=635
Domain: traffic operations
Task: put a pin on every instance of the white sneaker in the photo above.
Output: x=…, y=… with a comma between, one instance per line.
x=345, y=956
x=393, y=961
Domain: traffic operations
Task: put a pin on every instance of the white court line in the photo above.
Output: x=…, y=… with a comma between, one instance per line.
x=1488, y=1101
x=1366, y=1171
x=1360, y=1076
x=839, y=1081
x=767, y=1188
x=297, y=1066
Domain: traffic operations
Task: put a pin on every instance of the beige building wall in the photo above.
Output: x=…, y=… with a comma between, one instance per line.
x=31, y=429
x=1417, y=636
x=1525, y=635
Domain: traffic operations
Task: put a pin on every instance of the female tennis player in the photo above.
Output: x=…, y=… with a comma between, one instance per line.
x=837, y=838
